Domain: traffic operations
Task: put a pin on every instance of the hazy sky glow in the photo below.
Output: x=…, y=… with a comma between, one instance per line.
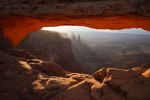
x=79, y=29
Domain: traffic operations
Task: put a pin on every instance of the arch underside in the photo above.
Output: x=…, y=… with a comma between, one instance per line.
x=17, y=27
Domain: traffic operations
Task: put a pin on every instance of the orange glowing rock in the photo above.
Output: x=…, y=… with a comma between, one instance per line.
x=17, y=27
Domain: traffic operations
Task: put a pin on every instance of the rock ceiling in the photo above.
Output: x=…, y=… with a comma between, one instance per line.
x=18, y=17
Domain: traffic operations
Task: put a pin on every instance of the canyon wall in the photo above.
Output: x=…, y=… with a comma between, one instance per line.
x=50, y=46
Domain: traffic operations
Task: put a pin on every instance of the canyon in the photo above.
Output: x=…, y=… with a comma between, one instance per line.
x=50, y=46
x=28, y=75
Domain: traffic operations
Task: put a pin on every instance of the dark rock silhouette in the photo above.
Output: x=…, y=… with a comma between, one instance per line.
x=5, y=43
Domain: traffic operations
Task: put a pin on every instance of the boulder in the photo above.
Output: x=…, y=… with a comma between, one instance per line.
x=49, y=68
x=80, y=91
x=100, y=74
x=123, y=84
x=106, y=92
x=79, y=76
x=51, y=86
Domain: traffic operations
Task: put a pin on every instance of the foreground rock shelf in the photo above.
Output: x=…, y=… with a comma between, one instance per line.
x=23, y=76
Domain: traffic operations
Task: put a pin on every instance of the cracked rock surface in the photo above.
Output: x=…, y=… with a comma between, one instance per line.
x=26, y=77
x=74, y=7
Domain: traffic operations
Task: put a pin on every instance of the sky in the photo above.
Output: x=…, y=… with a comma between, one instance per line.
x=83, y=29
x=94, y=36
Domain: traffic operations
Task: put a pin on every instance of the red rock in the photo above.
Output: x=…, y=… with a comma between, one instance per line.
x=79, y=76
x=17, y=76
x=49, y=45
x=128, y=84
x=47, y=88
x=105, y=92
x=100, y=74
x=138, y=69
x=80, y=91
x=20, y=53
x=30, y=79
x=146, y=73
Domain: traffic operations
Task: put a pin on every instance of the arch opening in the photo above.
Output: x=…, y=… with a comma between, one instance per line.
x=17, y=27
x=90, y=48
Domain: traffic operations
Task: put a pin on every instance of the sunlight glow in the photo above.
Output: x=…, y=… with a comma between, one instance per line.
x=69, y=28
x=76, y=29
